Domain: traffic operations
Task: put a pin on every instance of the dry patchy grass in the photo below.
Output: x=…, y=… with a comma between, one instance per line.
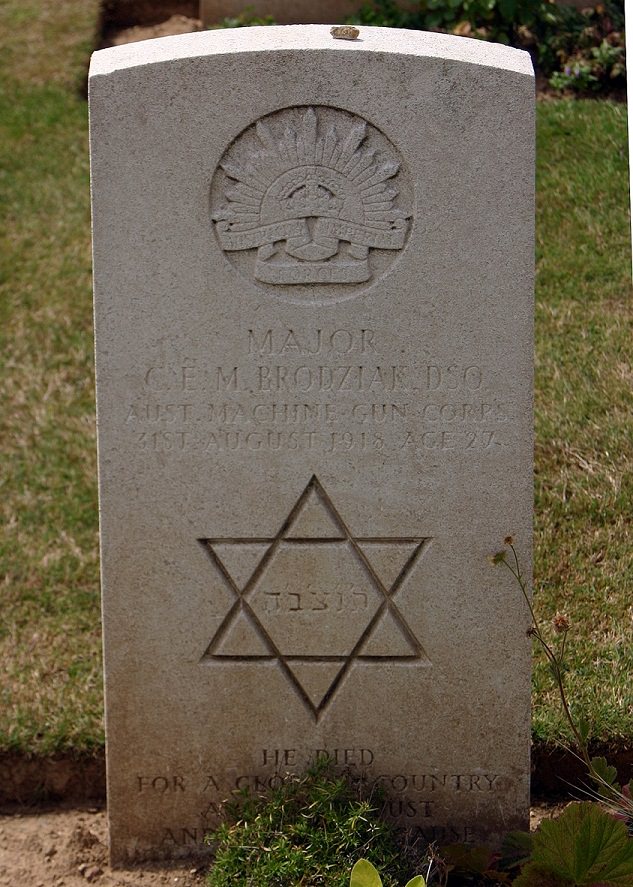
x=584, y=406
x=47, y=42
x=50, y=691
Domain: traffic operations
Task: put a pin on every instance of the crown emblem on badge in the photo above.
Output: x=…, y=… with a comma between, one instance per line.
x=311, y=197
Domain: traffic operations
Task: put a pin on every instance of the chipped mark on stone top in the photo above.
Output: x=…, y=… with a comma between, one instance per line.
x=309, y=189
x=315, y=598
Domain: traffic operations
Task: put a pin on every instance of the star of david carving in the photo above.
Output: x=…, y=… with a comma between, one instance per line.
x=315, y=598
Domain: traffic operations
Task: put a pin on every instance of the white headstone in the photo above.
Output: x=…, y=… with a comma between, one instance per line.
x=313, y=298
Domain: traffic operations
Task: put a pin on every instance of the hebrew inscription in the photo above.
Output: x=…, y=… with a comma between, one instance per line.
x=311, y=195
x=315, y=598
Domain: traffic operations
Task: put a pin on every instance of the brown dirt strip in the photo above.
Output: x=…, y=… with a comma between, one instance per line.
x=69, y=848
x=80, y=779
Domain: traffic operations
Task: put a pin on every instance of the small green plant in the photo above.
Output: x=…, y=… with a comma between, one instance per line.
x=307, y=831
x=467, y=861
x=364, y=874
x=587, y=70
x=577, y=77
x=605, y=787
x=246, y=19
x=583, y=847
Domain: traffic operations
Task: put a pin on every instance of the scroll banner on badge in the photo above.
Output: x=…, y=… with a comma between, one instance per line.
x=256, y=237
x=313, y=249
x=326, y=230
x=363, y=235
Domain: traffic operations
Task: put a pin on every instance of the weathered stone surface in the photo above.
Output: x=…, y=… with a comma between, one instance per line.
x=313, y=290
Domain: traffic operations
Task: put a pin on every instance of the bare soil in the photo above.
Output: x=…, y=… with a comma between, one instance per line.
x=69, y=848
x=176, y=24
x=125, y=13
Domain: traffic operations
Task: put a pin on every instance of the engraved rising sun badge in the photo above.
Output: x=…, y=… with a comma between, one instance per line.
x=315, y=598
x=317, y=193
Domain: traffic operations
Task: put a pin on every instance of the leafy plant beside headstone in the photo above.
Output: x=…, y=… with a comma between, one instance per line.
x=605, y=787
x=583, y=847
x=578, y=50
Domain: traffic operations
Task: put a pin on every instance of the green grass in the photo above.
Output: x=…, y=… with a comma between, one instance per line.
x=309, y=831
x=47, y=42
x=50, y=689
x=584, y=404
x=50, y=668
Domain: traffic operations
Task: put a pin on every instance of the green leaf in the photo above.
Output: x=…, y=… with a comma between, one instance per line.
x=466, y=858
x=515, y=849
x=584, y=728
x=605, y=774
x=507, y=8
x=586, y=846
x=536, y=876
x=364, y=875
x=418, y=881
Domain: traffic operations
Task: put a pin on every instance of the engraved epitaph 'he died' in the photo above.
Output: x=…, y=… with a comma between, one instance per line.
x=313, y=299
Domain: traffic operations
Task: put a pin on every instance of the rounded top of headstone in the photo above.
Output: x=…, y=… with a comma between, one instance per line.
x=309, y=38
